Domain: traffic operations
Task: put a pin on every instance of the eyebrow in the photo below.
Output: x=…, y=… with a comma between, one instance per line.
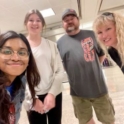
x=6, y=47
x=21, y=48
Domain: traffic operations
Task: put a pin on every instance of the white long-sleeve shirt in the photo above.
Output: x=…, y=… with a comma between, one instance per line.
x=42, y=55
x=51, y=70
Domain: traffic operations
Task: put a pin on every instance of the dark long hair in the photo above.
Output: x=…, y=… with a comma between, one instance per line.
x=32, y=75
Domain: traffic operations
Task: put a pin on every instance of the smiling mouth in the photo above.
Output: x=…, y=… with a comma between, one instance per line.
x=107, y=40
x=34, y=27
x=14, y=64
x=70, y=28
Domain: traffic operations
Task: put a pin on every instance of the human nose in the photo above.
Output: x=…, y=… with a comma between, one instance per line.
x=104, y=35
x=70, y=20
x=34, y=22
x=15, y=56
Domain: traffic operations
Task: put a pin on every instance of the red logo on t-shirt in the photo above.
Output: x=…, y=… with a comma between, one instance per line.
x=88, y=49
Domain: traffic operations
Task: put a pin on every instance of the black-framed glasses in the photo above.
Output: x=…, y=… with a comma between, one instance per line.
x=8, y=53
x=108, y=14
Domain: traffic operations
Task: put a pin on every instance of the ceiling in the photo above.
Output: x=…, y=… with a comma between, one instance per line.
x=12, y=12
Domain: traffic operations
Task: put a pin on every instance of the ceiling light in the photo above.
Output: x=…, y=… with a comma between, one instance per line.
x=47, y=12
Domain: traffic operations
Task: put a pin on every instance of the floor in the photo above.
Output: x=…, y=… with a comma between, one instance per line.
x=115, y=83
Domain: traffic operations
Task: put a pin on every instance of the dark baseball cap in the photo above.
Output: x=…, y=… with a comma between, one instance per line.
x=69, y=12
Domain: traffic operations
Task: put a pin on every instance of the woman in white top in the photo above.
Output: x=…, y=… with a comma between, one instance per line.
x=48, y=103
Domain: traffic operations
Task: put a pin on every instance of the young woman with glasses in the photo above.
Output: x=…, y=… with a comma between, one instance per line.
x=16, y=60
x=109, y=30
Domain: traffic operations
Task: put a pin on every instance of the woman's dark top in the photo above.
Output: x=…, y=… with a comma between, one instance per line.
x=115, y=56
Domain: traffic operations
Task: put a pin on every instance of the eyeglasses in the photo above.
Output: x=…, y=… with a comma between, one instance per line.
x=8, y=53
x=107, y=14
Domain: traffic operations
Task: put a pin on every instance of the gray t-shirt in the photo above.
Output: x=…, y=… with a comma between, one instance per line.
x=80, y=54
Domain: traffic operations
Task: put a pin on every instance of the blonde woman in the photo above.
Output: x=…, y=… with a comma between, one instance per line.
x=109, y=29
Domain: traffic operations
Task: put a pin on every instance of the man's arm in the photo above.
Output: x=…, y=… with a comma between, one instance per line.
x=102, y=58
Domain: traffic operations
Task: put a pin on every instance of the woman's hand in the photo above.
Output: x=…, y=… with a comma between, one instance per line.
x=49, y=102
x=38, y=106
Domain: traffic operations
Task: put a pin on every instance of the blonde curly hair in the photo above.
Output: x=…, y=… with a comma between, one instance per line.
x=118, y=20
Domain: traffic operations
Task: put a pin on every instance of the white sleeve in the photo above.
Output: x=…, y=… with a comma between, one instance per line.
x=28, y=101
x=57, y=85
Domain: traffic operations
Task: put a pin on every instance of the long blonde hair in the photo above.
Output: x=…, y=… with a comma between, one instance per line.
x=118, y=20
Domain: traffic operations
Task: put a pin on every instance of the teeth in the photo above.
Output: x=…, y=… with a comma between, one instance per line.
x=70, y=28
x=107, y=40
x=34, y=27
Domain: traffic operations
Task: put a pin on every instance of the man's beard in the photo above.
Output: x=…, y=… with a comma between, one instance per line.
x=71, y=29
